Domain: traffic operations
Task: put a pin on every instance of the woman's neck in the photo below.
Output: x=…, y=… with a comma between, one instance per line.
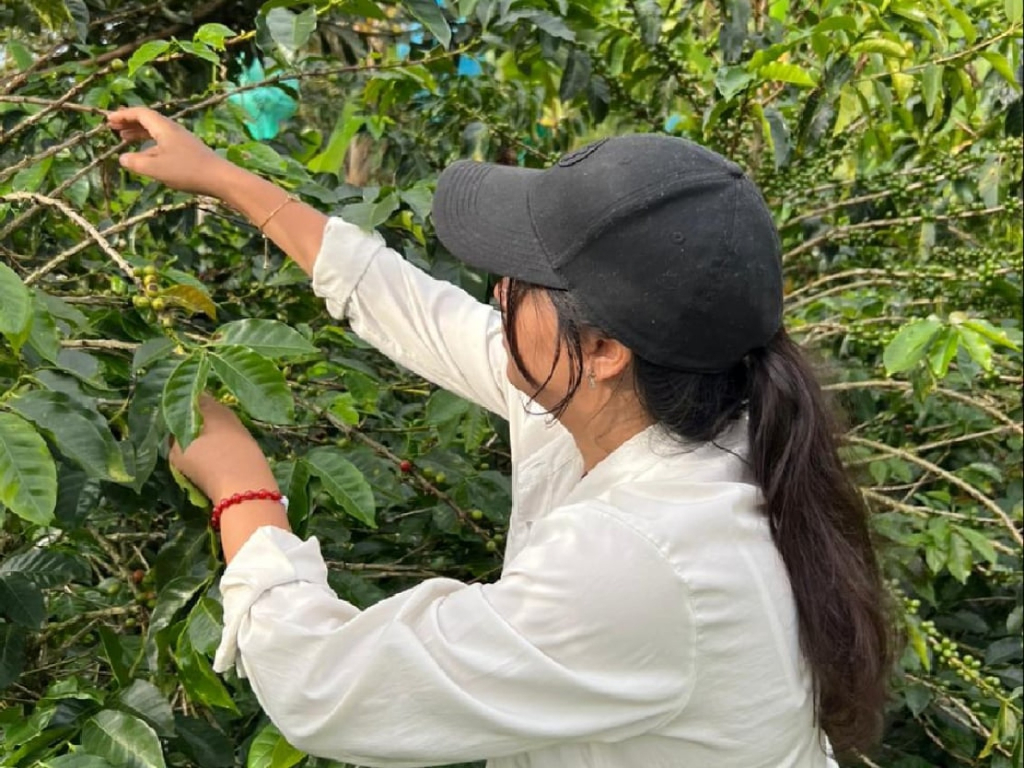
x=599, y=433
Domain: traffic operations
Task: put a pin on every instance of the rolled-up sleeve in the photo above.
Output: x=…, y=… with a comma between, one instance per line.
x=429, y=326
x=567, y=646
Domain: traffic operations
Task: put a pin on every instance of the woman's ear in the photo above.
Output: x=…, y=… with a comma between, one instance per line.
x=605, y=358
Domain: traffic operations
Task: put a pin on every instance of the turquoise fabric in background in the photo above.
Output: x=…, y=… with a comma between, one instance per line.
x=269, y=107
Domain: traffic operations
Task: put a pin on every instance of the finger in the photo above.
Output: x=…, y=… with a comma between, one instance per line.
x=138, y=162
x=135, y=135
x=151, y=121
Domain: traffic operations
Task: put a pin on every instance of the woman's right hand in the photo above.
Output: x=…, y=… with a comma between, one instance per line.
x=178, y=159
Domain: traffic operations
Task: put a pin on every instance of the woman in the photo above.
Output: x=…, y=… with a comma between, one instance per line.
x=689, y=579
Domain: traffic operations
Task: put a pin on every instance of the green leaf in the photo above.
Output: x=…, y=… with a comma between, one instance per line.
x=31, y=179
x=332, y=158
x=53, y=13
x=910, y=345
x=258, y=157
x=575, y=76
x=123, y=740
x=195, y=496
x=1014, y=10
x=205, y=625
x=990, y=332
x=15, y=307
x=213, y=35
x=43, y=336
x=918, y=644
x=979, y=541
x=12, y=653
x=977, y=347
x=144, y=699
x=960, y=557
x=995, y=736
x=835, y=24
x=199, y=50
x=79, y=433
x=931, y=86
x=115, y=654
x=145, y=54
x=444, y=407
x=343, y=406
x=202, y=683
x=180, y=400
x=79, y=13
x=731, y=81
x=880, y=45
x=962, y=20
x=1001, y=65
x=76, y=759
x=293, y=479
x=432, y=17
x=28, y=476
x=371, y=215
x=270, y=750
x=151, y=351
x=44, y=567
x=918, y=697
x=788, y=73
x=21, y=601
x=546, y=22
x=268, y=338
x=943, y=351
x=191, y=298
x=289, y=30
x=343, y=482
x=207, y=746
x=23, y=58
x=260, y=387
x=648, y=17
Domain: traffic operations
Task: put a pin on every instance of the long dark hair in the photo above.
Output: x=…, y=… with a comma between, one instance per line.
x=817, y=516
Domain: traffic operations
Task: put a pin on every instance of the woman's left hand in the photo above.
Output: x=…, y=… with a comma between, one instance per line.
x=224, y=459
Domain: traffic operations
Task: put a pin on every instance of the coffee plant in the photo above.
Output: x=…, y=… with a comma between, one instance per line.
x=886, y=134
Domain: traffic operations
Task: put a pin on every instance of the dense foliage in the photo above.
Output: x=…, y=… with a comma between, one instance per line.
x=886, y=134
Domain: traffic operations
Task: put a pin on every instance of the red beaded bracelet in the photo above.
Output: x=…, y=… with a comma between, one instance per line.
x=262, y=494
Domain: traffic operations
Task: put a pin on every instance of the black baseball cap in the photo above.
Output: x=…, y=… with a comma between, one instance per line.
x=668, y=246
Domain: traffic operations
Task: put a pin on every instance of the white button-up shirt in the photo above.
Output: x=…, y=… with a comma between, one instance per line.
x=643, y=618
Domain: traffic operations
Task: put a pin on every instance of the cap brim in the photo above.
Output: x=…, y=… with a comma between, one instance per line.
x=481, y=213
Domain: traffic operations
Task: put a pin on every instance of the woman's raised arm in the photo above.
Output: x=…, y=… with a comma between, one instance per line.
x=426, y=325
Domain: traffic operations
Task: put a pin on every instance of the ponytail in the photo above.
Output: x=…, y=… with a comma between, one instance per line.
x=818, y=521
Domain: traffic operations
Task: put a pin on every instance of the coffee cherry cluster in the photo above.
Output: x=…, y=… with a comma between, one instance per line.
x=150, y=298
x=965, y=666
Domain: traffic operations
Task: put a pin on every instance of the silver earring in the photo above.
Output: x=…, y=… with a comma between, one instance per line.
x=591, y=381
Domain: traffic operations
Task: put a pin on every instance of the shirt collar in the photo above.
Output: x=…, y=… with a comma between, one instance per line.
x=653, y=449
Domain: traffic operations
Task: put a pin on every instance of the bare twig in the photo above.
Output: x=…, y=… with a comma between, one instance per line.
x=371, y=66
x=949, y=477
x=19, y=79
x=844, y=230
x=950, y=393
x=90, y=230
x=127, y=346
x=56, y=149
x=63, y=101
x=56, y=103
x=64, y=255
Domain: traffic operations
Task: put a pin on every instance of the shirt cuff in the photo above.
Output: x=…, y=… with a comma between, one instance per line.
x=345, y=254
x=271, y=557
